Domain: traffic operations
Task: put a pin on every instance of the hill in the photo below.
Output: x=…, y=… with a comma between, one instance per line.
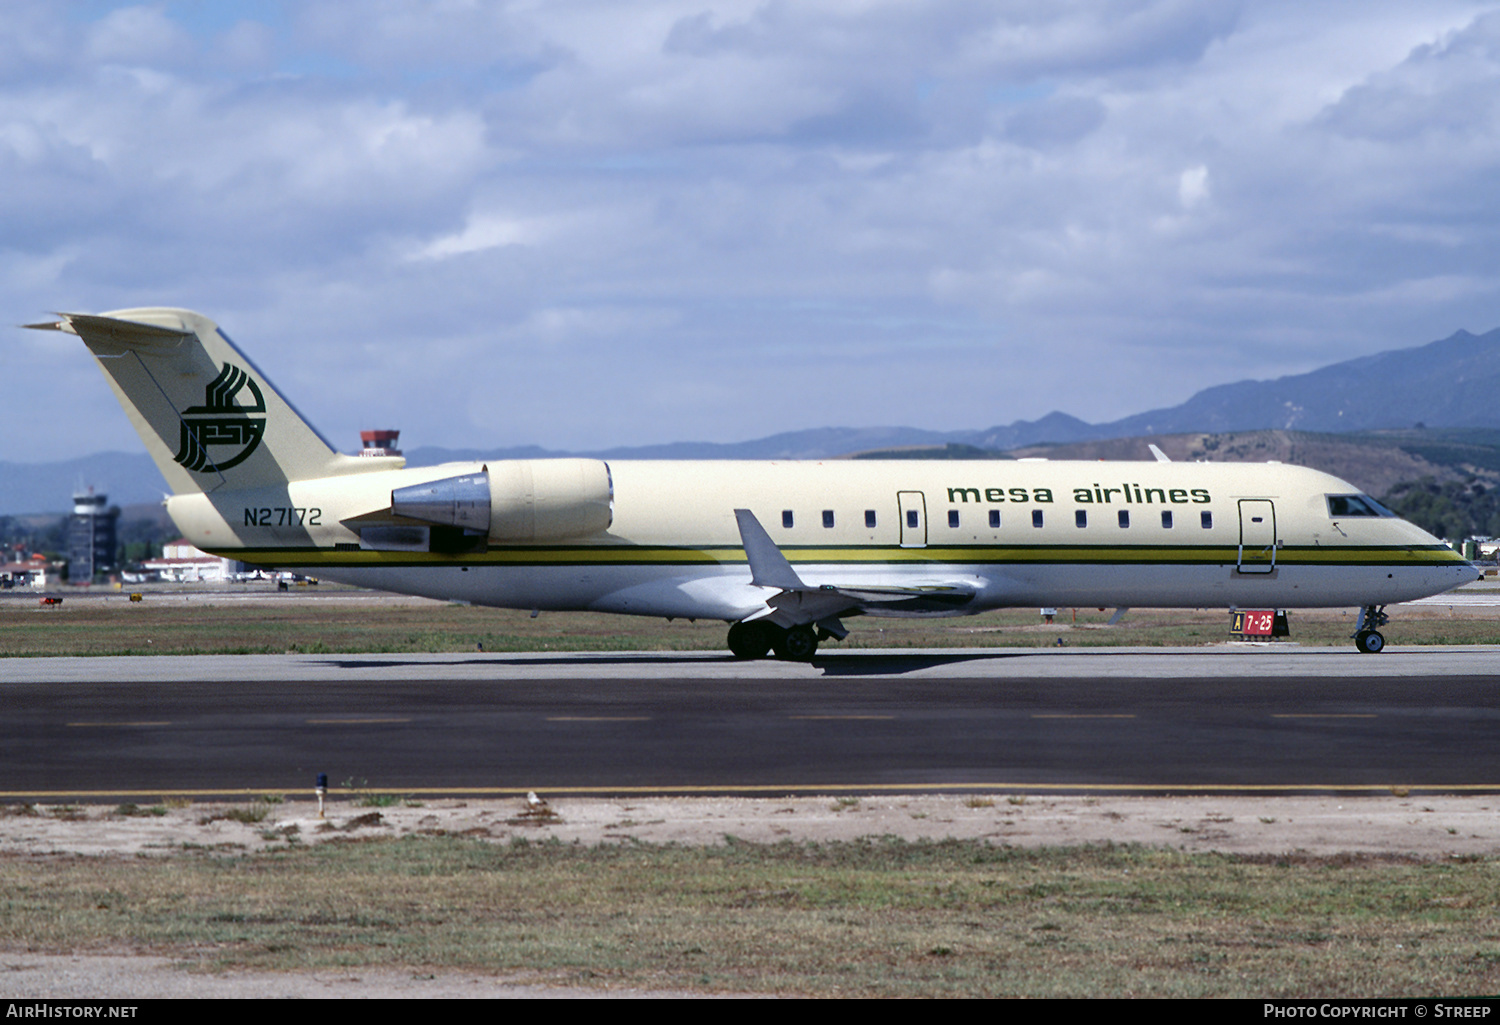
x=1447, y=383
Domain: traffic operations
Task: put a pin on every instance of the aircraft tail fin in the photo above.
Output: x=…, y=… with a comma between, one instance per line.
x=208, y=416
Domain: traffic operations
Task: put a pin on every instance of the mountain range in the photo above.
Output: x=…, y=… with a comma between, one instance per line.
x=1451, y=383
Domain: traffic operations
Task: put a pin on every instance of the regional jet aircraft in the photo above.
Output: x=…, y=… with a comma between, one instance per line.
x=784, y=552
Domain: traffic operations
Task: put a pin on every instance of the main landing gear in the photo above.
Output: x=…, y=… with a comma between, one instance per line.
x=1366, y=637
x=754, y=640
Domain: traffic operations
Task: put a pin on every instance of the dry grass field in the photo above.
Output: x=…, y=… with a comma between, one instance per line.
x=874, y=917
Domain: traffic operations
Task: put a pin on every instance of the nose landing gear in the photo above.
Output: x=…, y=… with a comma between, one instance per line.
x=1366, y=637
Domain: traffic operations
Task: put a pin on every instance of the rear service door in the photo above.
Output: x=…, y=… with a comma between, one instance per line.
x=1257, y=535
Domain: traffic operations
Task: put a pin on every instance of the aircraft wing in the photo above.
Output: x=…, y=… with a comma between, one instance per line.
x=797, y=602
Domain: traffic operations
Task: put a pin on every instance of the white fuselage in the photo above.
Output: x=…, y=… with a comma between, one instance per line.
x=1007, y=533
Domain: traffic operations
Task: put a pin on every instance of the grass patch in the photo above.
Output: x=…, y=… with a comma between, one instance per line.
x=380, y=800
x=871, y=918
x=191, y=624
x=255, y=811
x=129, y=810
x=363, y=796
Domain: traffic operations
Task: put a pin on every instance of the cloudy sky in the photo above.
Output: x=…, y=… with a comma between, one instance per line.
x=586, y=223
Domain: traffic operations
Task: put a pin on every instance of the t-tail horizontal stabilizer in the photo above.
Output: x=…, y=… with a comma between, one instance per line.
x=208, y=416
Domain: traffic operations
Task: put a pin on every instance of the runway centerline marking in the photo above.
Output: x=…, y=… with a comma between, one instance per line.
x=817, y=717
x=1081, y=715
x=144, y=723
x=350, y=722
x=598, y=718
x=1323, y=715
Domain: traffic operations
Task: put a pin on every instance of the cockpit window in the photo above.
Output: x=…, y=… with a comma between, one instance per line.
x=1355, y=505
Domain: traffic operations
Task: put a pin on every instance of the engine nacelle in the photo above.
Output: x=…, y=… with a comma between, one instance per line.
x=549, y=499
x=516, y=500
x=451, y=502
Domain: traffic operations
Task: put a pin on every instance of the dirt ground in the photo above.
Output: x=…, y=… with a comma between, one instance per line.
x=1428, y=826
x=1431, y=826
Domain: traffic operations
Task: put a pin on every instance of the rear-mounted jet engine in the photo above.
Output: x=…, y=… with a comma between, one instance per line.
x=517, y=501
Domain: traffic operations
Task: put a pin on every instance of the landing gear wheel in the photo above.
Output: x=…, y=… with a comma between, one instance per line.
x=1366, y=636
x=749, y=640
x=798, y=644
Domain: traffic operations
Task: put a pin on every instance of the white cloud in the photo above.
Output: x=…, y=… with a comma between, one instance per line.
x=248, y=46
x=1445, y=89
x=1192, y=186
x=138, y=35
x=480, y=233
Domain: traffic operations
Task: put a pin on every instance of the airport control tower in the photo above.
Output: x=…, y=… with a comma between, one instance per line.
x=380, y=443
x=91, y=536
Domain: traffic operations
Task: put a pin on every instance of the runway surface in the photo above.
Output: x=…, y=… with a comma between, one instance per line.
x=1231, y=719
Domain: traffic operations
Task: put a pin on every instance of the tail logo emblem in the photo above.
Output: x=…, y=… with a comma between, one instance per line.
x=222, y=424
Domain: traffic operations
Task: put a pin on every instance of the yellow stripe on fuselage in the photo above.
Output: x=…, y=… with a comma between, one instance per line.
x=621, y=555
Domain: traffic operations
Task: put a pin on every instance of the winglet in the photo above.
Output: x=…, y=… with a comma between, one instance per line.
x=768, y=567
x=1161, y=457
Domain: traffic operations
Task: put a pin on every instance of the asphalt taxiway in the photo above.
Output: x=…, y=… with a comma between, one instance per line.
x=1249, y=718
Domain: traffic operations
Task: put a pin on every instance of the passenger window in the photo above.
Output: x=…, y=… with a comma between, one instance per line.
x=952, y=517
x=1036, y=517
x=1080, y=518
x=912, y=519
x=1166, y=519
x=1124, y=517
x=827, y=517
x=870, y=517
x=786, y=518
x=994, y=519
x=1208, y=521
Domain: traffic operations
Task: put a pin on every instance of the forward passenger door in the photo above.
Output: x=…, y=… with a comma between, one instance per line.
x=1257, y=552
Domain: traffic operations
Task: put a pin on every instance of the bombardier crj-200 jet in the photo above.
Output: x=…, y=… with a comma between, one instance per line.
x=783, y=551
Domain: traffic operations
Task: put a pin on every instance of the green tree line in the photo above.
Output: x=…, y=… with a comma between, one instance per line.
x=1453, y=510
